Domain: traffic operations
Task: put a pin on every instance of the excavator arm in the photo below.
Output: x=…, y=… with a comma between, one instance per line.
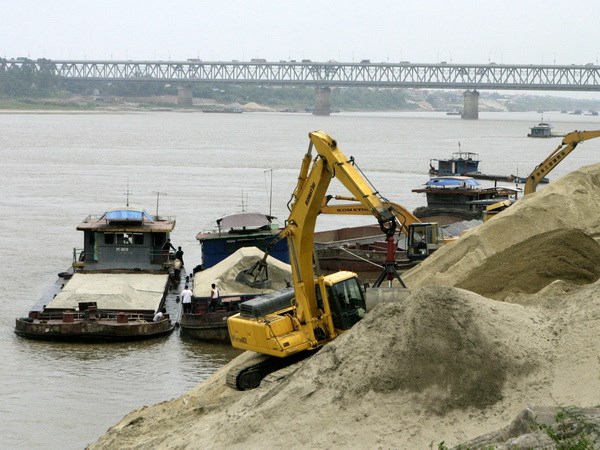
x=568, y=144
x=306, y=206
x=403, y=216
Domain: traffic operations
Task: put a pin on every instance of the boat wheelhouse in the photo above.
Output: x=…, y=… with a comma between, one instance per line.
x=460, y=163
x=244, y=229
x=541, y=130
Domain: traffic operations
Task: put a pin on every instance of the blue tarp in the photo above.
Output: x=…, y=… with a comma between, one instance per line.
x=452, y=182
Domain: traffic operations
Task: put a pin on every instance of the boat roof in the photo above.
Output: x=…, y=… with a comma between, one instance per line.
x=468, y=156
x=245, y=220
x=127, y=218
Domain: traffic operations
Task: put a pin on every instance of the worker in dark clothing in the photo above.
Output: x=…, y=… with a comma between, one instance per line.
x=166, y=248
x=179, y=255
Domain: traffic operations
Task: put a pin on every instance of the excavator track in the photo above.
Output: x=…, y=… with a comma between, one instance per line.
x=249, y=374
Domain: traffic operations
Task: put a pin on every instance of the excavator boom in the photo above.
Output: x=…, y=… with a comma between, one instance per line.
x=568, y=144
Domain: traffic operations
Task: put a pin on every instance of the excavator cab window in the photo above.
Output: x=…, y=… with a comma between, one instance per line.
x=347, y=303
x=423, y=240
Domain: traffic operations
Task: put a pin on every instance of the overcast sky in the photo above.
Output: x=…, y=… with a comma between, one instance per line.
x=502, y=31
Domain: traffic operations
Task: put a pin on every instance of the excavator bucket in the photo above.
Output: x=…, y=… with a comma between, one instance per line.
x=257, y=276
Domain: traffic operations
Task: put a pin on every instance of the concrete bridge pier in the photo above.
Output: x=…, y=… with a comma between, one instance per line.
x=185, y=96
x=322, y=101
x=471, y=105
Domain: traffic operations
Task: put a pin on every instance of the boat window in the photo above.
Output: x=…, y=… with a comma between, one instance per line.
x=123, y=239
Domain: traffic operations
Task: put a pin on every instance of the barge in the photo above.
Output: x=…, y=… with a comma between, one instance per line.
x=452, y=199
x=207, y=320
x=117, y=283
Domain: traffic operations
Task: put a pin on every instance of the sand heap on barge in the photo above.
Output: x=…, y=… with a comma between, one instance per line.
x=115, y=286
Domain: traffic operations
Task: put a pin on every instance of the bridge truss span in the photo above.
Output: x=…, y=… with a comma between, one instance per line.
x=329, y=74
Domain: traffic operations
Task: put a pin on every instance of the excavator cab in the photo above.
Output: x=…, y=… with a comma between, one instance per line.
x=346, y=301
x=423, y=240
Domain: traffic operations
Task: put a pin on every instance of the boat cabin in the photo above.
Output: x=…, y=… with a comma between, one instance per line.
x=124, y=238
x=245, y=229
x=541, y=130
x=459, y=196
x=460, y=163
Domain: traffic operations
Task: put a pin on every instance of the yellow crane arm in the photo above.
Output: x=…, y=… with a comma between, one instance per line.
x=567, y=145
x=403, y=215
x=306, y=205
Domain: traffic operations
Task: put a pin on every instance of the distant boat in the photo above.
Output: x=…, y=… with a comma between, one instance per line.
x=460, y=163
x=455, y=112
x=467, y=164
x=224, y=110
x=541, y=130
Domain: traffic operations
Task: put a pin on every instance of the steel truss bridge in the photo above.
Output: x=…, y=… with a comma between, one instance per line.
x=329, y=74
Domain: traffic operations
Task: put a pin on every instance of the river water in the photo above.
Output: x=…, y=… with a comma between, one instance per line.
x=56, y=168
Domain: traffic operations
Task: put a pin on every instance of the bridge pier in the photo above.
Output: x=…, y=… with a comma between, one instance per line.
x=185, y=96
x=322, y=101
x=471, y=105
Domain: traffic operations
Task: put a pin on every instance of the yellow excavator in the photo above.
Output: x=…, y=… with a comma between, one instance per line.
x=288, y=325
x=568, y=144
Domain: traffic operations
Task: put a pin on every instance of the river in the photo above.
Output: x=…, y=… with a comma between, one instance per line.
x=56, y=168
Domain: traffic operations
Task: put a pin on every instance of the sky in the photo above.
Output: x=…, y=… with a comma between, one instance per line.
x=464, y=31
x=419, y=31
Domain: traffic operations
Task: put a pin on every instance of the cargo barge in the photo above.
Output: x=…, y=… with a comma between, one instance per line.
x=117, y=283
x=207, y=320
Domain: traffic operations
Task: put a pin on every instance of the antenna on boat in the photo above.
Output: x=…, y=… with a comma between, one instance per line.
x=243, y=205
x=158, y=194
x=270, y=190
x=127, y=193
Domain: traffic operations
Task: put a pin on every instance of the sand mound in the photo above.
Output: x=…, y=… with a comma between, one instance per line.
x=403, y=371
x=564, y=254
x=224, y=274
x=572, y=201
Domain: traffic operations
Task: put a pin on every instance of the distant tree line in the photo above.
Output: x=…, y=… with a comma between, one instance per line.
x=29, y=80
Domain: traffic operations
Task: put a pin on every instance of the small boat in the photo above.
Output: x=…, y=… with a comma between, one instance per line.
x=454, y=112
x=541, y=130
x=224, y=110
x=238, y=230
x=208, y=322
x=115, y=286
x=460, y=163
x=467, y=164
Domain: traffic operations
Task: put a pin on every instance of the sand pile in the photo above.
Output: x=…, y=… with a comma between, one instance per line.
x=446, y=364
x=572, y=201
x=224, y=274
x=566, y=254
